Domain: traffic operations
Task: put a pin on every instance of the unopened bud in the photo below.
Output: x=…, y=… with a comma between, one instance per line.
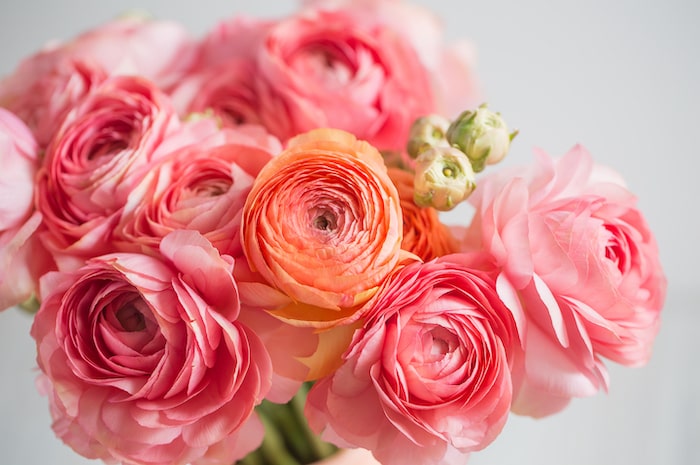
x=444, y=177
x=426, y=132
x=482, y=135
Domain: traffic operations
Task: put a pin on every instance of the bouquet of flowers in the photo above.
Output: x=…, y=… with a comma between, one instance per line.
x=236, y=249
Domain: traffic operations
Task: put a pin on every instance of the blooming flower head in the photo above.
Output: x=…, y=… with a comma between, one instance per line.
x=144, y=359
x=101, y=152
x=583, y=269
x=428, y=375
x=323, y=225
x=342, y=69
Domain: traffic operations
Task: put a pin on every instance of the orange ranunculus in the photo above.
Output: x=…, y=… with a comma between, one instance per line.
x=323, y=225
x=423, y=233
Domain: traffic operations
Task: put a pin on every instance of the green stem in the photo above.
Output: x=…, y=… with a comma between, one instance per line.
x=273, y=449
x=319, y=448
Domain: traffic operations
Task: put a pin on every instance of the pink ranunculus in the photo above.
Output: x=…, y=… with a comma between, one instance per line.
x=222, y=78
x=428, y=375
x=46, y=87
x=451, y=64
x=341, y=69
x=201, y=186
x=577, y=260
x=20, y=254
x=104, y=148
x=227, y=91
x=136, y=45
x=144, y=360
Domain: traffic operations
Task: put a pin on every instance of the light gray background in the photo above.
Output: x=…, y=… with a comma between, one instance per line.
x=619, y=76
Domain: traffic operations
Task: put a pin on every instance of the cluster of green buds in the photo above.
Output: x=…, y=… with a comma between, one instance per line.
x=448, y=154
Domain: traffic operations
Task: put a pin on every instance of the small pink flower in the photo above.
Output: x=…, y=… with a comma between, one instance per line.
x=106, y=145
x=145, y=361
x=20, y=253
x=428, y=375
x=578, y=262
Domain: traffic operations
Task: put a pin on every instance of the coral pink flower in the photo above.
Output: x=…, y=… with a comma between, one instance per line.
x=100, y=154
x=428, y=375
x=451, y=65
x=344, y=70
x=323, y=225
x=145, y=361
x=577, y=255
x=201, y=186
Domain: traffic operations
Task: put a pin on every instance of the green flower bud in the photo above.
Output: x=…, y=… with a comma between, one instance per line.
x=426, y=132
x=482, y=135
x=444, y=177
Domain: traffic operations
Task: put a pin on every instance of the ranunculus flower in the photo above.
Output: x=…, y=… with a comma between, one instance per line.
x=48, y=84
x=450, y=64
x=102, y=151
x=144, y=359
x=201, y=186
x=224, y=75
x=427, y=377
x=137, y=45
x=424, y=234
x=341, y=69
x=21, y=258
x=577, y=258
x=46, y=87
x=323, y=225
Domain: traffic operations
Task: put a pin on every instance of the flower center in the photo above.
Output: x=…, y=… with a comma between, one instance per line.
x=131, y=318
x=326, y=221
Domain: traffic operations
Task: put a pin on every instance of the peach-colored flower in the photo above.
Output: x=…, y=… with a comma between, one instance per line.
x=144, y=359
x=577, y=260
x=428, y=375
x=323, y=225
x=424, y=235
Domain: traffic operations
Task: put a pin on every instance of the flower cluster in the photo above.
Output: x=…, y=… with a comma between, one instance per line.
x=208, y=226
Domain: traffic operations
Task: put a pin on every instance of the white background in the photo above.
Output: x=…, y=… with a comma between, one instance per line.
x=619, y=76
